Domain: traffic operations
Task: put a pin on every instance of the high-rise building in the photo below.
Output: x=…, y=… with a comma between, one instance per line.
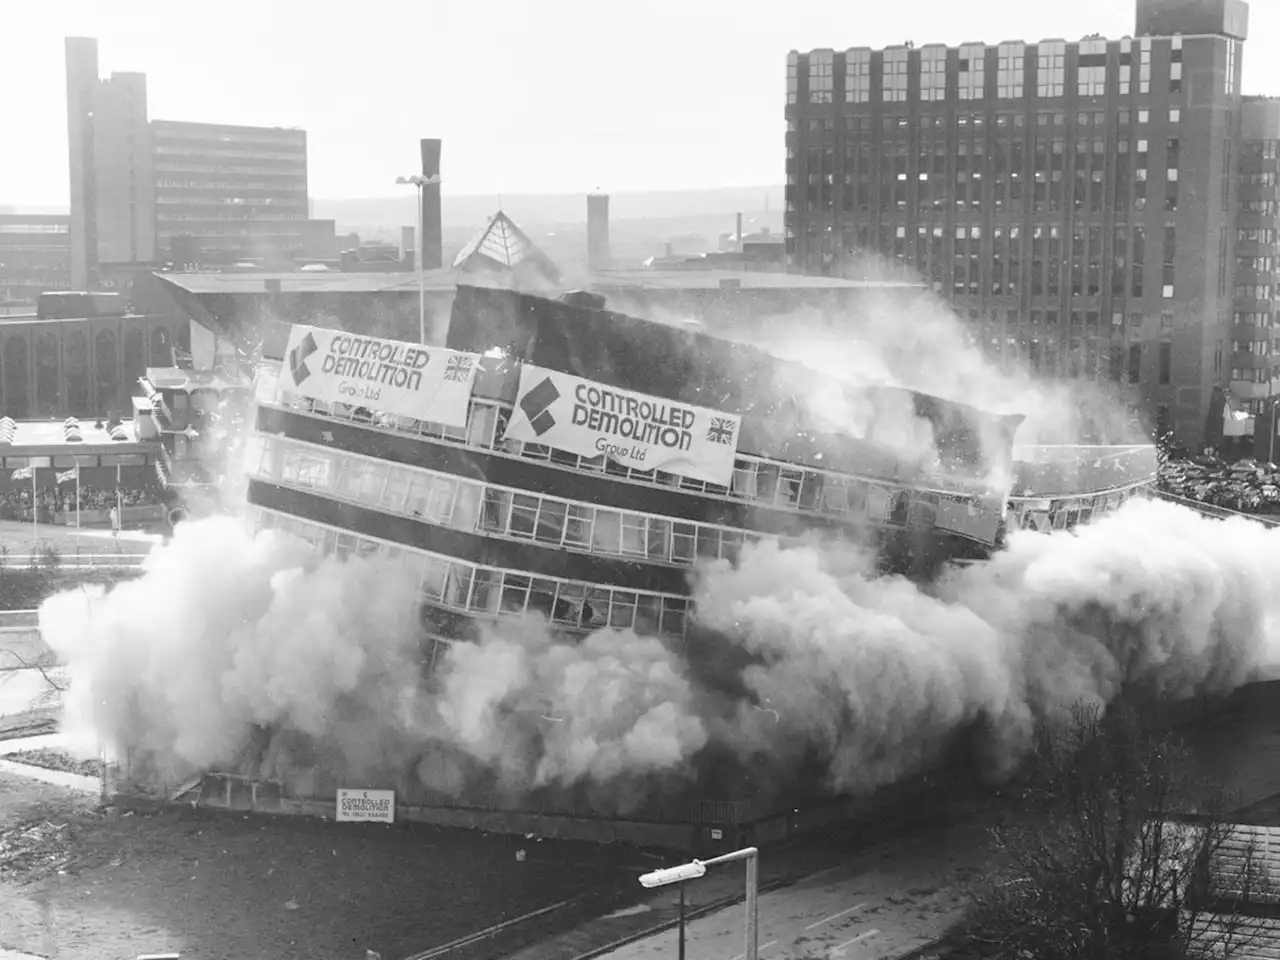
x=224, y=192
x=144, y=193
x=1078, y=202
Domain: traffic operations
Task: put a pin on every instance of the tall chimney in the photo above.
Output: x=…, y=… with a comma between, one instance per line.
x=739, y=233
x=408, y=246
x=597, y=231
x=432, y=227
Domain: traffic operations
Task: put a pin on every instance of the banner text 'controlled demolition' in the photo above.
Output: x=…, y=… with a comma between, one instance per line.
x=647, y=433
x=388, y=376
x=366, y=806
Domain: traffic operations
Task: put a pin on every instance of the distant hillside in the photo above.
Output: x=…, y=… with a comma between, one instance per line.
x=389, y=213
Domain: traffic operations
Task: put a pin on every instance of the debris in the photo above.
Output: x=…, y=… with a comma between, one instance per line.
x=33, y=849
x=1246, y=486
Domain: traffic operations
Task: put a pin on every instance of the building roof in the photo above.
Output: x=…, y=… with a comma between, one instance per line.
x=53, y=321
x=49, y=433
x=503, y=246
x=446, y=281
x=698, y=279
x=440, y=281
x=176, y=378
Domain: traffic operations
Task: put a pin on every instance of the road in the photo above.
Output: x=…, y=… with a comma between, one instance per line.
x=872, y=908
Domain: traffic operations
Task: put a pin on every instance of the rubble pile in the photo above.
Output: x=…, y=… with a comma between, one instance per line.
x=1246, y=485
x=33, y=849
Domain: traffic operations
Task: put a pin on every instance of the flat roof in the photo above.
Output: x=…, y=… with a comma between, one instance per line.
x=176, y=378
x=48, y=433
x=320, y=282
x=746, y=279
x=34, y=318
x=446, y=280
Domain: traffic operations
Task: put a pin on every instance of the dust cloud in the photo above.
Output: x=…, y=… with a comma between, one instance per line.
x=228, y=634
x=247, y=651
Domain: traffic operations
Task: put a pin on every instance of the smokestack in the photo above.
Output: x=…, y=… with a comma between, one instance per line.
x=739, y=233
x=432, y=228
x=408, y=246
x=597, y=231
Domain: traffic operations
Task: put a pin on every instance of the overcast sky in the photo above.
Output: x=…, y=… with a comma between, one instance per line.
x=558, y=96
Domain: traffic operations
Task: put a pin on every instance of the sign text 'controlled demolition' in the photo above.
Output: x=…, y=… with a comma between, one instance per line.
x=646, y=433
x=387, y=376
x=366, y=806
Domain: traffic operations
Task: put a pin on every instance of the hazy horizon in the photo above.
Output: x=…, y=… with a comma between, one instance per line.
x=553, y=100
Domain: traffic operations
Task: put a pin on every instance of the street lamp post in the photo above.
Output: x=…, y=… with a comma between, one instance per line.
x=419, y=181
x=698, y=868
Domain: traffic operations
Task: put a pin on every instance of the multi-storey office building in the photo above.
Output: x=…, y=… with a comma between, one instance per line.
x=1255, y=347
x=1076, y=201
x=227, y=192
x=495, y=525
x=145, y=193
x=474, y=499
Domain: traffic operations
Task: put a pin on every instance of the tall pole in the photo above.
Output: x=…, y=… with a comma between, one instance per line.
x=681, y=886
x=35, y=512
x=77, y=494
x=422, y=270
x=753, y=917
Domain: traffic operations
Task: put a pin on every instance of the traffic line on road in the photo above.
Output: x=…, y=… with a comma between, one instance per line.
x=759, y=950
x=858, y=939
x=834, y=916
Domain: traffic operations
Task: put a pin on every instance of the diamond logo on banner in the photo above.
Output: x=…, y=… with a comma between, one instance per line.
x=535, y=404
x=298, y=358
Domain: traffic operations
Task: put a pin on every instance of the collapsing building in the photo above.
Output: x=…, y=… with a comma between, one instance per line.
x=579, y=464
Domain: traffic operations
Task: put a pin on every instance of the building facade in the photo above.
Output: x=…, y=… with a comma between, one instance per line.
x=226, y=193
x=145, y=193
x=1255, y=344
x=35, y=257
x=1076, y=201
x=82, y=367
x=495, y=526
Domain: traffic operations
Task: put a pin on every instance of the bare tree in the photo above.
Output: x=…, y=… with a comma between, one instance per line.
x=1113, y=847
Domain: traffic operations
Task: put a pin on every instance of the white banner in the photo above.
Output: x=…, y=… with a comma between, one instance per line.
x=366, y=806
x=405, y=379
x=647, y=433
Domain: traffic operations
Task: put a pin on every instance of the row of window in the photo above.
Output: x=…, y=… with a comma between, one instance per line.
x=230, y=153
x=864, y=126
x=1067, y=514
x=460, y=504
x=756, y=481
x=931, y=72
x=493, y=591
x=276, y=174
x=236, y=214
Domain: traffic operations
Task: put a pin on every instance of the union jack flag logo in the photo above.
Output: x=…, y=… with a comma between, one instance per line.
x=720, y=431
x=458, y=369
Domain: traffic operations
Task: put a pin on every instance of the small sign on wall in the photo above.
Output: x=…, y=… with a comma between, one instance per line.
x=717, y=833
x=366, y=806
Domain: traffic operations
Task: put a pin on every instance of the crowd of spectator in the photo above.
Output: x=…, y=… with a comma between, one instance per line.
x=55, y=504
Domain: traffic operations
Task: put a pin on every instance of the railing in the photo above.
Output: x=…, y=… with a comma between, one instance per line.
x=1211, y=510
x=47, y=555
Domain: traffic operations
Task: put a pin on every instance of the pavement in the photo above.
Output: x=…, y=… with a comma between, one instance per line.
x=876, y=906
x=877, y=893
